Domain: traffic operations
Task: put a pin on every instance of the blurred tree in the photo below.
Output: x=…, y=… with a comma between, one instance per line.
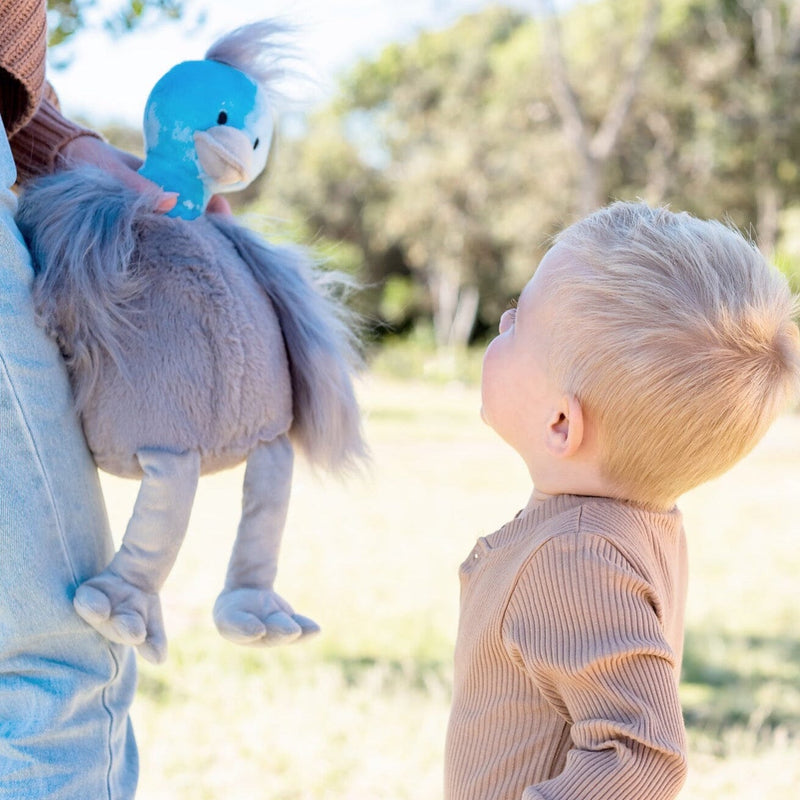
x=319, y=189
x=442, y=166
x=422, y=163
x=446, y=163
x=66, y=17
x=593, y=143
x=443, y=163
x=765, y=35
x=715, y=128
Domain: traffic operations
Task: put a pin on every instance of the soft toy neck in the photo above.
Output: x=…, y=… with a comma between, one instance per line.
x=178, y=175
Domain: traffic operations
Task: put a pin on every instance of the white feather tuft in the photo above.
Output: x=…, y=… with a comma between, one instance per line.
x=263, y=51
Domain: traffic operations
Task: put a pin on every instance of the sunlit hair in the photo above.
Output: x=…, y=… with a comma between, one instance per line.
x=681, y=344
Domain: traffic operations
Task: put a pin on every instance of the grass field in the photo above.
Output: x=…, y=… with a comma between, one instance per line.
x=360, y=712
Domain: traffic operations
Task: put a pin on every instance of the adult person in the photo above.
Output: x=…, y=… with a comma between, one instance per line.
x=65, y=691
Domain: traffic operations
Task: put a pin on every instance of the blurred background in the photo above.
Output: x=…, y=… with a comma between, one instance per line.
x=435, y=148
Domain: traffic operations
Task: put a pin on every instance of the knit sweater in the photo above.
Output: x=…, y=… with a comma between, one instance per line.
x=568, y=657
x=28, y=106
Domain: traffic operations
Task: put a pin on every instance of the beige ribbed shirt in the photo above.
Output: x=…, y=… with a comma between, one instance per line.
x=568, y=657
x=29, y=107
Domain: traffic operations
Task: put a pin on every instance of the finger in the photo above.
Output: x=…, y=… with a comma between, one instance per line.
x=132, y=161
x=219, y=205
x=164, y=201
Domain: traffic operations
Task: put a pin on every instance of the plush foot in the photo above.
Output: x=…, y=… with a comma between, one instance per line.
x=123, y=613
x=260, y=617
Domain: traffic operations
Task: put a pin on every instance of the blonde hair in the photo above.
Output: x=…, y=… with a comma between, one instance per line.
x=678, y=340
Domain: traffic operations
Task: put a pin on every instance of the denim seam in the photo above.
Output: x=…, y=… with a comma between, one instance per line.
x=43, y=472
x=111, y=719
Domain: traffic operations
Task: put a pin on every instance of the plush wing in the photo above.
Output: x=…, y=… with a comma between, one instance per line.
x=319, y=338
x=79, y=227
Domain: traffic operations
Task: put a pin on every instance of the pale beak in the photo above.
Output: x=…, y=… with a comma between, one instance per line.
x=225, y=154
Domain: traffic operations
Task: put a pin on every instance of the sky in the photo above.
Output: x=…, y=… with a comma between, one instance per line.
x=108, y=79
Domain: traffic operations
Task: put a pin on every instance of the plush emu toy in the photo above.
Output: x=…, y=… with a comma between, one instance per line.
x=192, y=344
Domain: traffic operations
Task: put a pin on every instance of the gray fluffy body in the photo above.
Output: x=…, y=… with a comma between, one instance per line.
x=187, y=335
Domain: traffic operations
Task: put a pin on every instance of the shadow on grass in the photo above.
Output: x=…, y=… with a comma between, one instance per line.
x=745, y=682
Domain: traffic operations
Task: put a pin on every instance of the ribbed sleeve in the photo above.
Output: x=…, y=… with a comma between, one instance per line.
x=29, y=107
x=586, y=629
x=37, y=146
x=23, y=42
x=567, y=658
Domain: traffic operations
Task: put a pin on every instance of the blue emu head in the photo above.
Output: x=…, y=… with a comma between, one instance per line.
x=208, y=126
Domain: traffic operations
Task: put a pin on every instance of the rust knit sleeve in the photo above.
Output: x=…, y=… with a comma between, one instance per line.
x=23, y=43
x=37, y=130
x=36, y=147
x=585, y=627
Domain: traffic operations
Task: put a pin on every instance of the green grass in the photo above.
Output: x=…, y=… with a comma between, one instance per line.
x=414, y=357
x=360, y=712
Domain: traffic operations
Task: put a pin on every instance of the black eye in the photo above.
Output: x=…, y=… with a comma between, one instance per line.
x=255, y=144
x=222, y=118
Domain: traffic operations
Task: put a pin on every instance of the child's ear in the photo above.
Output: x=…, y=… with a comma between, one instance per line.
x=565, y=428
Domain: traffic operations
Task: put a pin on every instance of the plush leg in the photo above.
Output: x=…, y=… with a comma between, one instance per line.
x=249, y=611
x=122, y=601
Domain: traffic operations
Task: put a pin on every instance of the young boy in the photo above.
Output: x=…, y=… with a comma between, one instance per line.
x=649, y=353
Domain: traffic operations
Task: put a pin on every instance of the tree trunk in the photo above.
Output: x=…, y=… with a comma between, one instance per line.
x=455, y=308
x=768, y=205
x=594, y=148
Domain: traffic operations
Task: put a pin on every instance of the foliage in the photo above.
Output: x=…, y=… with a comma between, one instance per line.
x=444, y=165
x=418, y=164
x=67, y=17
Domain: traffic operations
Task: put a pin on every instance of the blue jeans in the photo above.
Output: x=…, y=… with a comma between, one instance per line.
x=65, y=691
